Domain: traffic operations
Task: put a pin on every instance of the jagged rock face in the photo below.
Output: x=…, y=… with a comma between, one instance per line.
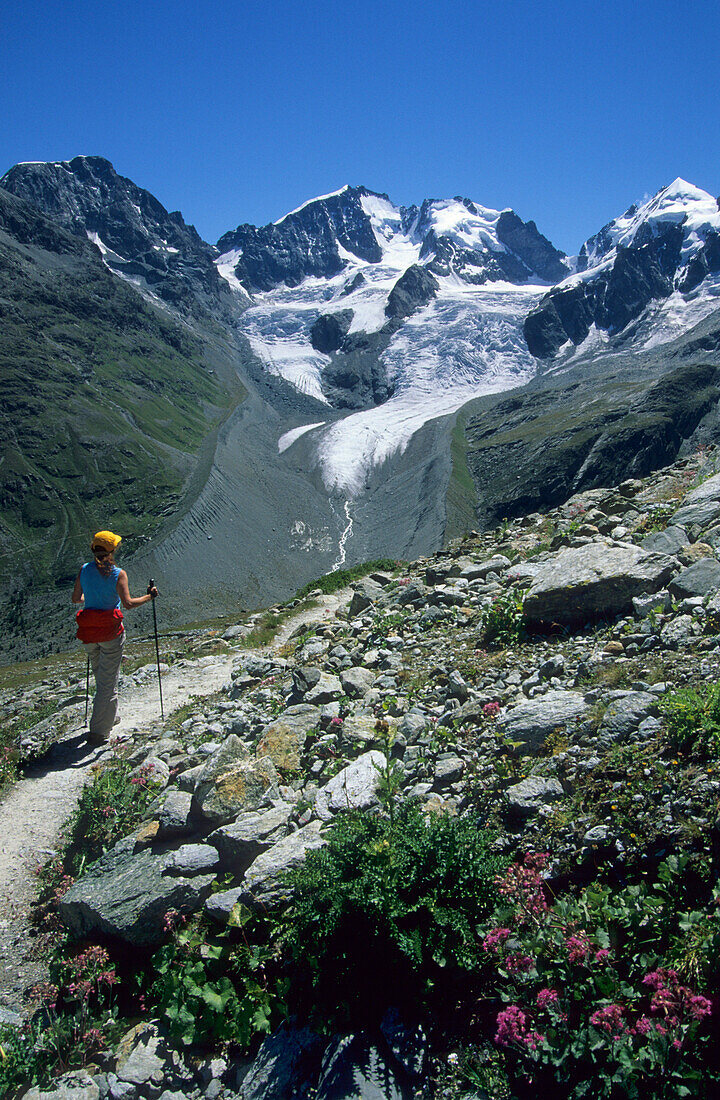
x=135, y=233
x=329, y=331
x=612, y=299
x=304, y=242
x=412, y=291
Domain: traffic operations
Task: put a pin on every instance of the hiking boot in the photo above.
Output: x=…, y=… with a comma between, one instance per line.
x=97, y=738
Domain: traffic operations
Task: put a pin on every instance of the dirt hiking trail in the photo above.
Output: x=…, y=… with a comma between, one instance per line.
x=34, y=811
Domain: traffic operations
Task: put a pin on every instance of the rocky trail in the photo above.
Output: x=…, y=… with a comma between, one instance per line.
x=35, y=810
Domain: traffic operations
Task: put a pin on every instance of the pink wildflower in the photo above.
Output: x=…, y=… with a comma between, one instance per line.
x=546, y=997
x=602, y=955
x=610, y=1019
x=494, y=940
x=519, y=964
x=491, y=710
x=578, y=946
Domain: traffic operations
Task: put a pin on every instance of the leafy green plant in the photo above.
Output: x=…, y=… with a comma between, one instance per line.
x=692, y=720
x=214, y=986
x=502, y=622
x=386, y=913
x=390, y=774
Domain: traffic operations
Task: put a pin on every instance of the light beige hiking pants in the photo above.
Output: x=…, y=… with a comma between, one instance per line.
x=105, y=658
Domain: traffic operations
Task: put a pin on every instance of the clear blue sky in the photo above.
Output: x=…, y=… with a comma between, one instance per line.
x=566, y=110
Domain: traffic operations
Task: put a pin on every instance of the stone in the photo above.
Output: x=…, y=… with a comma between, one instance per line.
x=668, y=541
x=708, y=490
x=174, y=815
x=360, y=728
x=285, y=1065
x=77, y=1085
x=479, y=570
x=244, y=839
x=283, y=740
x=599, y=578
x=356, y=681
x=658, y=604
x=353, y=788
x=694, y=551
x=191, y=859
x=231, y=783
x=127, y=895
x=448, y=769
x=408, y=1044
x=353, y=1068
x=680, y=631
x=625, y=713
x=264, y=884
x=526, y=797
x=700, y=514
x=141, y=1054
x=699, y=579
x=413, y=725
x=531, y=721
x=219, y=906
x=326, y=690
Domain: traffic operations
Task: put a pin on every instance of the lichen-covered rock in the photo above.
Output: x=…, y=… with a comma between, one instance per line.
x=283, y=740
x=625, y=713
x=77, y=1085
x=232, y=782
x=699, y=579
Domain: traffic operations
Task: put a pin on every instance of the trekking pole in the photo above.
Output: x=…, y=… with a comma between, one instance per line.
x=157, y=650
x=87, y=688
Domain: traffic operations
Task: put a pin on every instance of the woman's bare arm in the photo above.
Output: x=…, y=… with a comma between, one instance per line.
x=77, y=596
x=123, y=590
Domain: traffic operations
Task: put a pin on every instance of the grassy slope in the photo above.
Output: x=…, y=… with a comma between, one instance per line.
x=104, y=404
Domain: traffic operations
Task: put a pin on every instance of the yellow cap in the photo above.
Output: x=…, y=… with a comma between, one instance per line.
x=106, y=538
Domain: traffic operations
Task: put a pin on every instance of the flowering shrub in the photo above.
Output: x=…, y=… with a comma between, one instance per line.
x=502, y=622
x=588, y=1004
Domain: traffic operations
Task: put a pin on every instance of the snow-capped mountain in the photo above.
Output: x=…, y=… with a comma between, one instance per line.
x=340, y=341
x=657, y=265
x=402, y=314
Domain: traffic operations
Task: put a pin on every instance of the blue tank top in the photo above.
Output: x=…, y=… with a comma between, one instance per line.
x=99, y=591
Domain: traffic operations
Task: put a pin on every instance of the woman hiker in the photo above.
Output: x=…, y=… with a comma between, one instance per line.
x=102, y=587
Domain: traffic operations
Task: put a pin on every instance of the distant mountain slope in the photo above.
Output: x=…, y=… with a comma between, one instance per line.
x=136, y=235
x=104, y=404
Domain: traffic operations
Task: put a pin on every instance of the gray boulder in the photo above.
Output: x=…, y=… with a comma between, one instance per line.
x=286, y=1066
x=681, y=631
x=533, y=720
x=709, y=490
x=353, y=788
x=699, y=579
x=326, y=690
x=127, y=895
x=599, y=578
x=527, y=797
x=625, y=713
x=700, y=514
x=244, y=839
x=353, y=1068
x=263, y=884
x=668, y=541
x=356, y=681
x=77, y=1085
x=191, y=859
x=232, y=782
x=174, y=815
x=479, y=570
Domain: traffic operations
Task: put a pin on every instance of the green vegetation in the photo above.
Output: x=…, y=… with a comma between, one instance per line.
x=331, y=582
x=692, y=721
x=502, y=623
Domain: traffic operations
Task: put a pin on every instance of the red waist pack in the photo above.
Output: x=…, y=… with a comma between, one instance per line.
x=99, y=626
